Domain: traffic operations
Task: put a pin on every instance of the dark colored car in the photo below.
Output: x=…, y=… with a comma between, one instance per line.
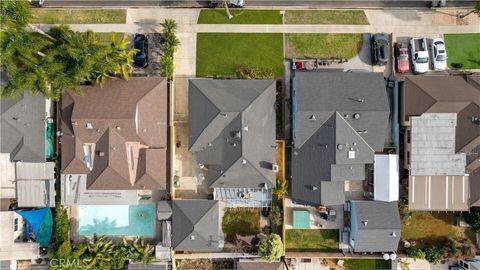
x=36, y=3
x=380, y=49
x=401, y=57
x=140, y=42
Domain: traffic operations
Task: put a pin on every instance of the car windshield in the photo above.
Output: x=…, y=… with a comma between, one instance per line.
x=441, y=57
x=422, y=60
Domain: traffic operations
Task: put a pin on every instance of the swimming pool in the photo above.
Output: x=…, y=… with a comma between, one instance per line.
x=116, y=219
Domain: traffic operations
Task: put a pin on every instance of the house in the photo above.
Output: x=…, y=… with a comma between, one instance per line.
x=232, y=133
x=440, y=114
x=12, y=246
x=25, y=146
x=339, y=122
x=114, y=137
x=196, y=226
x=374, y=226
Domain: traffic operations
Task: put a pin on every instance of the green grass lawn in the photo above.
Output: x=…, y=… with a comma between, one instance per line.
x=78, y=16
x=106, y=37
x=311, y=240
x=429, y=228
x=220, y=54
x=366, y=264
x=325, y=17
x=323, y=45
x=240, y=16
x=463, y=49
x=242, y=221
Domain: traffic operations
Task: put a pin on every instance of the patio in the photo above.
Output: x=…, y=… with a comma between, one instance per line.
x=324, y=220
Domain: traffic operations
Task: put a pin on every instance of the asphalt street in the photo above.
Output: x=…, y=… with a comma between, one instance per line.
x=253, y=3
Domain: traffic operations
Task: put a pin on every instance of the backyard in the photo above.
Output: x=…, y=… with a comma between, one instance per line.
x=463, y=49
x=240, y=16
x=323, y=45
x=427, y=228
x=241, y=221
x=312, y=240
x=325, y=17
x=221, y=54
x=78, y=16
x=366, y=264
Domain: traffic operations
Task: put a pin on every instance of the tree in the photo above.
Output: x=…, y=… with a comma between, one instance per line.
x=171, y=45
x=475, y=10
x=15, y=14
x=415, y=253
x=275, y=215
x=169, y=26
x=271, y=248
x=280, y=189
x=473, y=219
x=141, y=253
x=433, y=254
x=67, y=257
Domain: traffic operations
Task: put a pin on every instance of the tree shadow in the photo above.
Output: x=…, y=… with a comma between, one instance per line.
x=148, y=25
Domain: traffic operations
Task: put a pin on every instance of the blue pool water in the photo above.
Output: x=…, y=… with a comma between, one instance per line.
x=116, y=219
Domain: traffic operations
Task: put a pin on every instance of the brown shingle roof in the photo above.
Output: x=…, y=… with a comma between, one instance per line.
x=125, y=122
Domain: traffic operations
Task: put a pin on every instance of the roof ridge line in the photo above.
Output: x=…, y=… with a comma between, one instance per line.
x=356, y=133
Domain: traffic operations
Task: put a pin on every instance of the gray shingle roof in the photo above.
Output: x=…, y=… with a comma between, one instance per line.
x=197, y=226
x=23, y=128
x=378, y=226
x=232, y=130
x=340, y=121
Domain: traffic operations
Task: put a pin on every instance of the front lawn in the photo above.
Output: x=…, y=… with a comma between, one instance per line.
x=242, y=221
x=427, y=228
x=240, y=16
x=312, y=240
x=323, y=45
x=220, y=54
x=463, y=49
x=325, y=17
x=106, y=37
x=366, y=264
x=78, y=16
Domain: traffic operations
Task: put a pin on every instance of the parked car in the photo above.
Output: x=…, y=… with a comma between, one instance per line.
x=140, y=42
x=380, y=49
x=419, y=54
x=401, y=56
x=36, y=3
x=231, y=3
x=439, y=54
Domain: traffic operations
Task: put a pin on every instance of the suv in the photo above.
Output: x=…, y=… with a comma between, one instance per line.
x=419, y=54
x=140, y=42
x=380, y=49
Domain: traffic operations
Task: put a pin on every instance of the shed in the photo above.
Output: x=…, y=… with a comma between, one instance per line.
x=301, y=219
x=385, y=178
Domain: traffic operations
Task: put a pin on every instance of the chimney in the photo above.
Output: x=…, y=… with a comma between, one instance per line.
x=101, y=154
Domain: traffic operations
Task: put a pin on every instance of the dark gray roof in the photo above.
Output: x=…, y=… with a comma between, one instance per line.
x=232, y=130
x=378, y=226
x=23, y=128
x=196, y=226
x=340, y=121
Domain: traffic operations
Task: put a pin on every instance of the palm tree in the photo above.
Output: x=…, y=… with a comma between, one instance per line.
x=99, y=253
x=118, y=59
x=141, y=253
x=169, y=26
x=15, y=14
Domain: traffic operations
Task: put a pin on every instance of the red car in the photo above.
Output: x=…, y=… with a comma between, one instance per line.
x=401, y=55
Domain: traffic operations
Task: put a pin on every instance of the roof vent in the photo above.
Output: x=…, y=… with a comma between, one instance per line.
x=364, y=131
x=354, y=143
x=201, y=165
x=393, y=234
x=356, y=115
x=275, y=168
x=339, y=146
x=360, y=100
x=101, y=153
x=236, y=134
x=314, y=188
x=224, y=115
x=245, y=128
x=209, y=144
x=118, y=128
x=365, y=222
x=88, y=125
x=312, y=117
x=192, y=237
x=351, y=154
x=74, y=123
x=346, y=115
x=244, y=161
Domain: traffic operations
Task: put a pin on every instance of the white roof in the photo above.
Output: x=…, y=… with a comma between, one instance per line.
x=35, y=184
x=35, y=171
x=7, y=177
x=385, y=178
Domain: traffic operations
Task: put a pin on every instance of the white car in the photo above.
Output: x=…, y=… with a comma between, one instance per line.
x=419, y=55
x=439, y=54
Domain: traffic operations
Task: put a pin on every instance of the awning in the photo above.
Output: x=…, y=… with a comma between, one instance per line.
x=40, y=221
x=385, y=178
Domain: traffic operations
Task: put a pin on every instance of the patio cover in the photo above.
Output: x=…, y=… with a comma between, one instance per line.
x=301, y=219
x=41, y=222
x=385, y=178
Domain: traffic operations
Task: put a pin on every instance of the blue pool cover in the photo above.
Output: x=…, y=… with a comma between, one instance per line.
x=40, y=221
x=116, y=220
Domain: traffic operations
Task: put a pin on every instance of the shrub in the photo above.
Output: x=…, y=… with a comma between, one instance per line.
x=171, y=45
x=271, y=248
x=254, y=73
x=433, y=254
x=415, y=253
x=275, y=215
x=280, y=189
x=62, y=224
x=473, y=219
